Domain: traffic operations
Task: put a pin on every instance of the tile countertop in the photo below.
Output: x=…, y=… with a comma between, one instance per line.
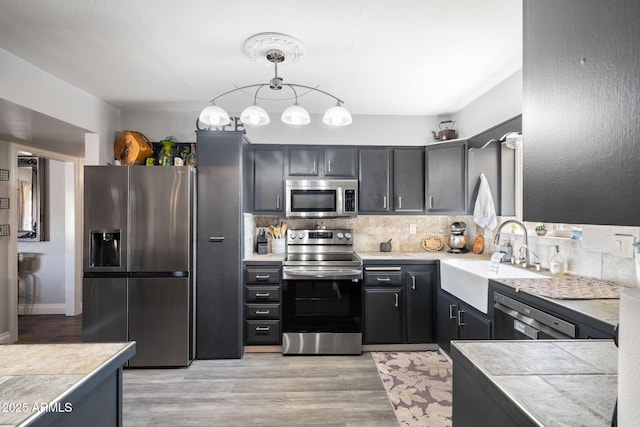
x=43, y=374
x=555, y=382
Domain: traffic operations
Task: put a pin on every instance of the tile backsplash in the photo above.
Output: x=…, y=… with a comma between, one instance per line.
x=590, y=256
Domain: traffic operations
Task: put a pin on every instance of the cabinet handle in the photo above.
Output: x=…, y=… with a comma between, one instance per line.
x=262, y=276
x=384, y=202
x=383, y=279
x=430, y=202
x=397, y=300
x=277, y=202
x=263, y=312
x=328, y=165
x=263, y=294
x=413, y=282
x=399, y=202
x=263, y=328
x=216, y=239
x=451, y=311
x=460, y=322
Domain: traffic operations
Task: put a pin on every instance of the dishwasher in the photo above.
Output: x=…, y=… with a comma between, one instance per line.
x=514, y=320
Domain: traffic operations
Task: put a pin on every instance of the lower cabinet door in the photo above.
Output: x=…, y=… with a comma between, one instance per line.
x=263, y=332
x=447, y=320
x=420, y=287
x=473, y=326
x=382, y=316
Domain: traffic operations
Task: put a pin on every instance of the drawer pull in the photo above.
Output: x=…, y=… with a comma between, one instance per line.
x=397, y=300
x=413, y=282
x=263, y=294
x=383, y=279
x=216, y=239
x=451, y=311
x=460, y=321
x=263, y=312
x=263, y=276
x=263, y=328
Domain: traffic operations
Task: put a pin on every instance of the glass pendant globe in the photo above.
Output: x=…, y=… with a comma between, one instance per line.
x=296, y=115
x=213, y=115
x=337, y=116
x=255, y=116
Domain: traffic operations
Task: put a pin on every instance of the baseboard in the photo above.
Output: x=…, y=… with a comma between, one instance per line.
x=41, y=309
x=5, y=338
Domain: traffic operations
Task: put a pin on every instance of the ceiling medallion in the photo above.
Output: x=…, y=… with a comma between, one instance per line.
x=257, y=47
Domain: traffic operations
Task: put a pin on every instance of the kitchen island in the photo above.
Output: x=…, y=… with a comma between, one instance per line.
x=534, y=383
x=62, y=384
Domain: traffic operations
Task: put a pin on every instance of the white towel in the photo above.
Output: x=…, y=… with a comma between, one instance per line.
x=484, y=213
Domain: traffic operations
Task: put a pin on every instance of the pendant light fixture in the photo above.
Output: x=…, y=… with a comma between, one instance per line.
x=275, y=48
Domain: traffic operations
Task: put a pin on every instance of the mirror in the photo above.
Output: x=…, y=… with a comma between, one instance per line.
x=31, y=198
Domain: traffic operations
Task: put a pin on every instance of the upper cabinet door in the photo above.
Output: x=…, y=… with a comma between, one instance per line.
x=408, y=180
x=268, y=180
x=375, y=180
x=446, y=178
x=304, y=162
x=340, y=162
x=580, y=112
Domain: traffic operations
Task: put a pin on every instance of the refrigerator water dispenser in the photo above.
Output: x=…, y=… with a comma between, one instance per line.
x=105, y=248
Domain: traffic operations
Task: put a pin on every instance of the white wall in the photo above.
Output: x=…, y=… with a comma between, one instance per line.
x=46, y=286
x=499, y=104
x=29, y=86
x=365, y=130
x=4, y=246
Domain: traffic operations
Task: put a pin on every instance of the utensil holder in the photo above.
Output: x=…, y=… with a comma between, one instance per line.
x=277, y=246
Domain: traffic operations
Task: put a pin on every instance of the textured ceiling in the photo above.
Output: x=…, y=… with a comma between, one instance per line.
x=409, y=57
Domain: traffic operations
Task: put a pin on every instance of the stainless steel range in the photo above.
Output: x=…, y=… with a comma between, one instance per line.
x=322, y=293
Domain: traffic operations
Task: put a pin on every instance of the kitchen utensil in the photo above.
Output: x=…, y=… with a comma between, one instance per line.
x=447, y=132
x=478, y=245
x=457, y=241
x=432, y=243
x=385, y=246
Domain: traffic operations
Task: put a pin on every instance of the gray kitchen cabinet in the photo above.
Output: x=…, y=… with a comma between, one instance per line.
x=219, y=299
x=268, y=180
x=263, y=283
x=304, y=161
x=457, y=320
x=580, y=112
x=375, y=180
x=408, y=180
x=446, y=178
x=497, y=162
x=340, y=162
x=399, y=303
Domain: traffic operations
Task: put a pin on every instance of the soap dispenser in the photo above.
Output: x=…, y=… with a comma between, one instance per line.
x=557, y=262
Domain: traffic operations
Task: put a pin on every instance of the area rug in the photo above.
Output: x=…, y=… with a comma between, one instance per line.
x=418, y=385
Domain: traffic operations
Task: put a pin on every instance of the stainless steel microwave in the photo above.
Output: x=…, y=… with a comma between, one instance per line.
x=321, y=198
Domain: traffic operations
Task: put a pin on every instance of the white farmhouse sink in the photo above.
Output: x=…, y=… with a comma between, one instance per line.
x=469, y=280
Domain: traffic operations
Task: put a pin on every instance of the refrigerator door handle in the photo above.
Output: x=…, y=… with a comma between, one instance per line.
x=216, y=239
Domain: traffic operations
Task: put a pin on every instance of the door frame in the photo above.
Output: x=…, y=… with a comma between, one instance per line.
x=73, y=243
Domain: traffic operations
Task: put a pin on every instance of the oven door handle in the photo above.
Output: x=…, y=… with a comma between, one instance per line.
x=329, y=274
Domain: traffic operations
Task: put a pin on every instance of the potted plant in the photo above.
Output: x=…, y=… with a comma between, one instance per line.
x=541, y=229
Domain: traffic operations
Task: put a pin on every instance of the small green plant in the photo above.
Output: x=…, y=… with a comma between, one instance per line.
x=541, y=227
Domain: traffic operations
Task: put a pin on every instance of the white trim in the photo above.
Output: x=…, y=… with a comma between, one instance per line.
x=28, y=309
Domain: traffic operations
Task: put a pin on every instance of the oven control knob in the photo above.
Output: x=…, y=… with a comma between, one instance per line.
x=301, y=235
x=347, y=235
x=340, y=235
x=292, y=235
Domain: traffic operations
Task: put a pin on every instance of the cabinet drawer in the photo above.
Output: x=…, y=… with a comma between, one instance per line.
x=263, y=311
x=382, y=278
x=263, y=275
x=263, y=293
x=263, y=332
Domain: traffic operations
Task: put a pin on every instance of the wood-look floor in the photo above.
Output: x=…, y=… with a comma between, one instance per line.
x=49, y=328
x=262, y=389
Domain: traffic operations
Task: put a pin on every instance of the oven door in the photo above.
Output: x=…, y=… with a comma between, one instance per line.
x=322, y=316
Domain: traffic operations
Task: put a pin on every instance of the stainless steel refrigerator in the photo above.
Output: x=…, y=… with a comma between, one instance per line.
x=138, y=260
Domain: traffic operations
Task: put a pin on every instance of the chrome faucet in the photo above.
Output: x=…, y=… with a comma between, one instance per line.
x=496, y=239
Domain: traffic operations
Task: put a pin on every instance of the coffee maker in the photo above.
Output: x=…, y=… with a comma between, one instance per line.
x=457, y=241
